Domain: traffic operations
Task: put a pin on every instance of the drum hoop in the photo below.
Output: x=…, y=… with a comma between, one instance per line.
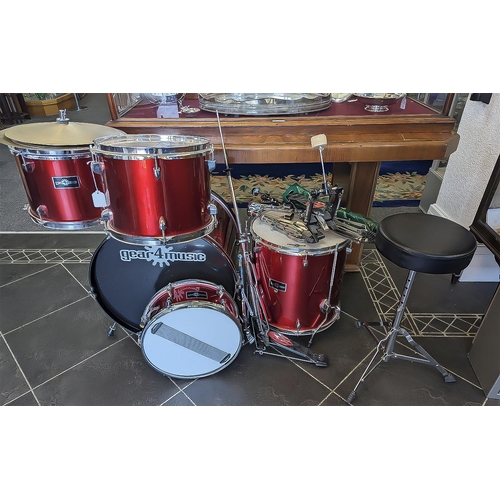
x=149, y=156
x=37, y=154
x=158, y=240
x=191, y=304
x=298, y=251
x=70, y=226
x=197, y=145
x=162, y=291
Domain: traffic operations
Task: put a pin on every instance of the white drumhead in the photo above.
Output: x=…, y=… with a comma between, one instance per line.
x=274, y=238
x=191, y=340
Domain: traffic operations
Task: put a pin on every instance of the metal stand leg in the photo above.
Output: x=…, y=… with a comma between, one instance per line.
x=111, y=330
x=390, y=339
x=78, y=108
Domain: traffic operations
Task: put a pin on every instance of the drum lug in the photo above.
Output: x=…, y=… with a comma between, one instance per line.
x=97, y=167
x=41, y=211
x=28, y=166
x=211, y=165
x=325, y=306
x=162, y=224
x=297, y=324
x=107, y=215
x=305, y=263
x=156, y=169
x=212, y=209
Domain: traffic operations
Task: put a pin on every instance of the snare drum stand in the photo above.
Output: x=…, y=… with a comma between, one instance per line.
x=256, y=326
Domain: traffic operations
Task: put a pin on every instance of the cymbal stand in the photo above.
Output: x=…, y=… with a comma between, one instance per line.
x=256, y=325
x=256, y=329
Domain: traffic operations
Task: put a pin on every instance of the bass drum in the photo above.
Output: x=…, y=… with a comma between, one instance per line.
x=124, y=278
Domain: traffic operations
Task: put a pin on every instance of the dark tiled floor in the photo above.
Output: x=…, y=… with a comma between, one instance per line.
x=54, y=347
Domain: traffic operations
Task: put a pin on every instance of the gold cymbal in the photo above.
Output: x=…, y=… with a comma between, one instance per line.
x=59, y=134
x=4, y=140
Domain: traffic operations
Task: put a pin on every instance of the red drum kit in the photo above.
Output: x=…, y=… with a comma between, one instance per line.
x=176, y=268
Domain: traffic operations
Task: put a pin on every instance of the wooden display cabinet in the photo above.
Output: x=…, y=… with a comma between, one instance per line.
x=356, y=137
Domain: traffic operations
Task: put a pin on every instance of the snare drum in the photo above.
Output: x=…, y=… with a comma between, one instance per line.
x=191, y=329
x=158, y=187
x=299, y=282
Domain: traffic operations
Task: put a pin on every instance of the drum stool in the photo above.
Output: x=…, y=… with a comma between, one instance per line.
x=420, y=243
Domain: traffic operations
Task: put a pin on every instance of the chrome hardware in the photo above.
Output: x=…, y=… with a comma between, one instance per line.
x=211, y=165
x=325, y=306
x=156, y=169
x=62, y=117
x=41, y=211
x=107, y=215
x=97, y=167
x=305, y=263
x=162, y=225
x=28, y=166
x=212, y=209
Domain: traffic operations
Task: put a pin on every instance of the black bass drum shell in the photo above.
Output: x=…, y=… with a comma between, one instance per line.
x=123, y=277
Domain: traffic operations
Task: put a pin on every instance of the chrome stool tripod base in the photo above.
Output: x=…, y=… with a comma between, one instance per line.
x=419, y=243
x=390, y=339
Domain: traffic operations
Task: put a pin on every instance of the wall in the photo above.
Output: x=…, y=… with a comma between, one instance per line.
x=469, y=168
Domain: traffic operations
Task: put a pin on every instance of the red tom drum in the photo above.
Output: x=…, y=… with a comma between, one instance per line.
x=53, y=160
x=59, y=185
x=158, y=187
x=299, y=282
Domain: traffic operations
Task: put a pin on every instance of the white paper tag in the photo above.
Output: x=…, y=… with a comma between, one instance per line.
x=99, y=199
x=167, y=111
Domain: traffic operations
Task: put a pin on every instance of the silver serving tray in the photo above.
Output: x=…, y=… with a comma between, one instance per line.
x=264, y=104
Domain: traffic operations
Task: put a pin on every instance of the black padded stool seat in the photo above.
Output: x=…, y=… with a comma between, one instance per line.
x=420, y=243
x=425, y=243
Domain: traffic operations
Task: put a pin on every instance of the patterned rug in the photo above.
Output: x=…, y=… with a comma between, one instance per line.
x=399, y=183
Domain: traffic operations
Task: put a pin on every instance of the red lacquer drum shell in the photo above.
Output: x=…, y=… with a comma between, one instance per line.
x=188, y=290
x=53, y=160
x=299, y=282
x=59, y=186
x=158, y=187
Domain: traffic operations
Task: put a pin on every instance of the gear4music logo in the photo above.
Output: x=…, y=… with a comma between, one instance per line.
x=161, y=255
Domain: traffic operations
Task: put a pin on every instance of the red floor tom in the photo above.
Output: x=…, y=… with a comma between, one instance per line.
x=299, y=283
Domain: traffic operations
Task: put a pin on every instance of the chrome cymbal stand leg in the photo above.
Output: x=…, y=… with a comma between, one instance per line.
x=78, y=107
x=395, y=330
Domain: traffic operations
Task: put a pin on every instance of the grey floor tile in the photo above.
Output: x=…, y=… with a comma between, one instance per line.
x=12, y=381
x=27, y=399
x=258, y=380
x=26, y=300
x=118, y=376
x=56, y=342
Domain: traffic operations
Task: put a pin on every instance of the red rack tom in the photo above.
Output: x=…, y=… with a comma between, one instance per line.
x=158, y=187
